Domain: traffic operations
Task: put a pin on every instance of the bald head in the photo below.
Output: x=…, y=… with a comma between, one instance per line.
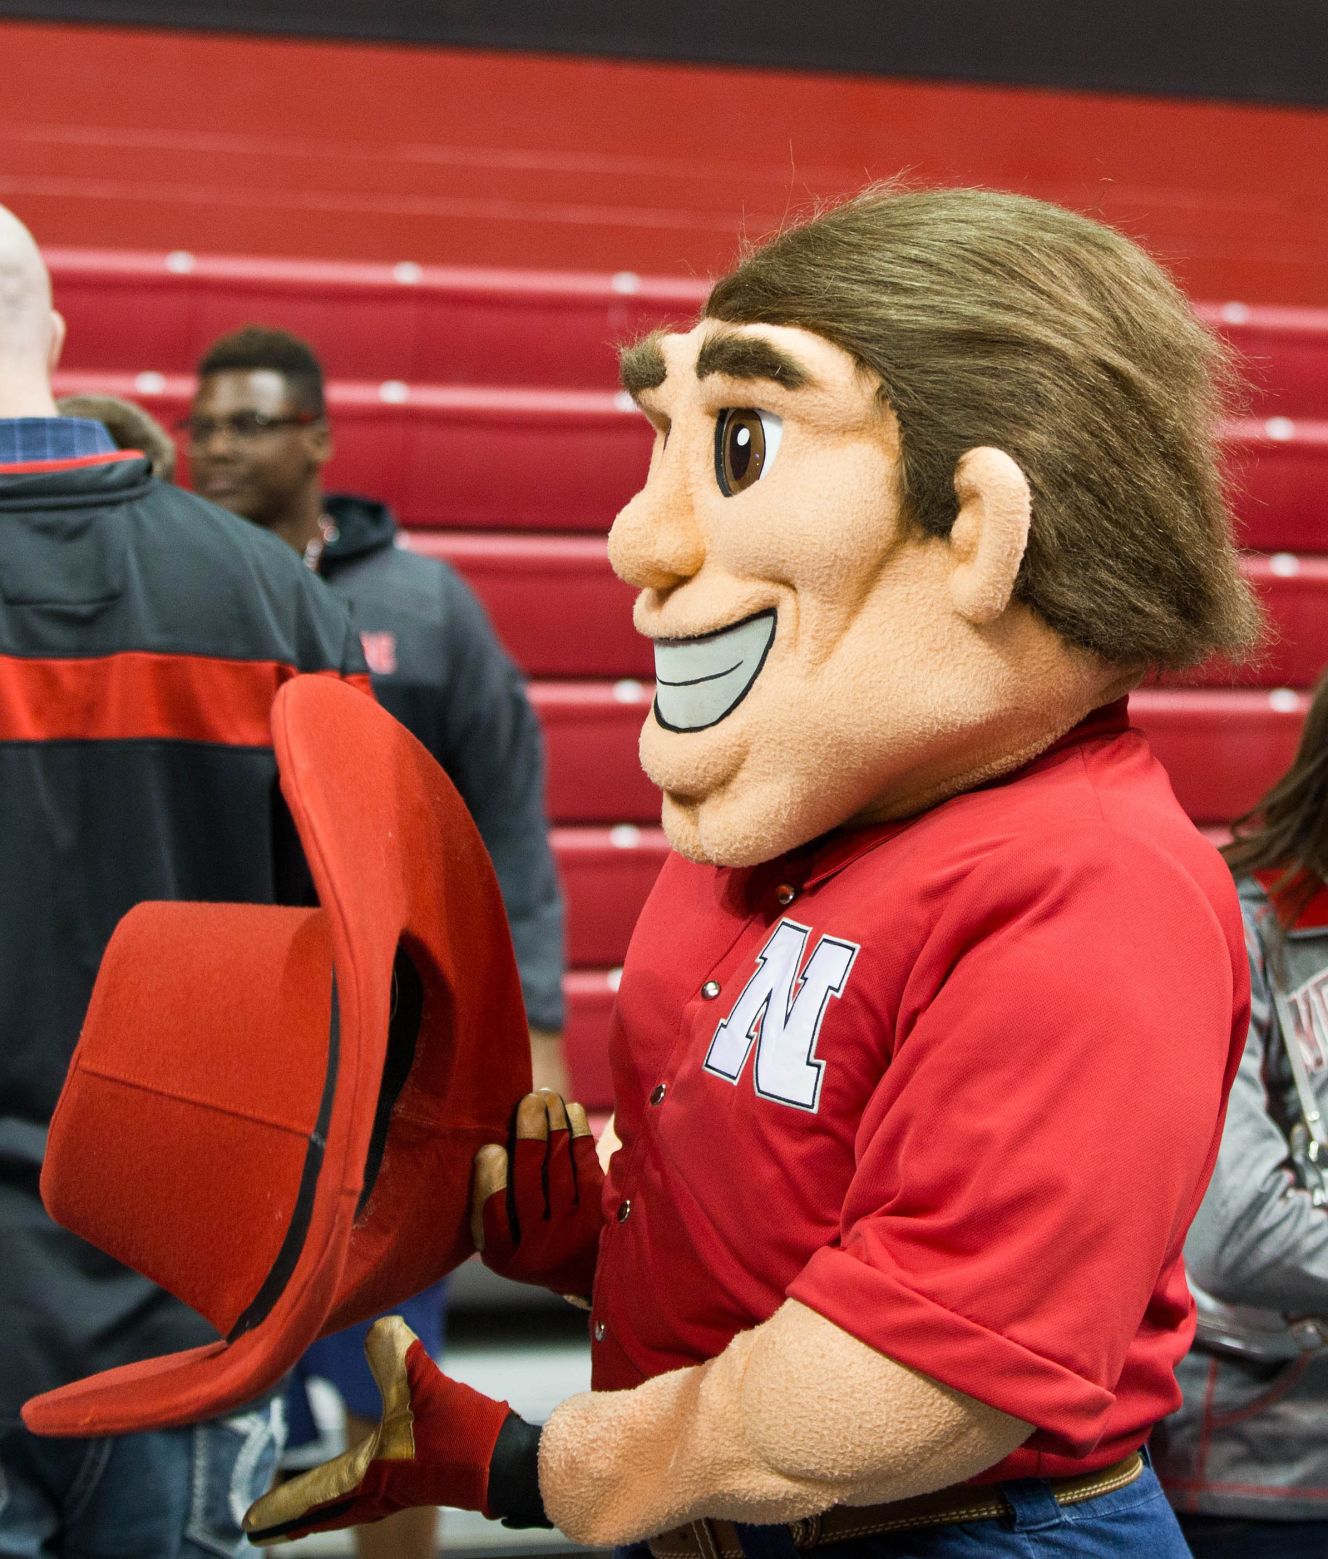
x=31, y=333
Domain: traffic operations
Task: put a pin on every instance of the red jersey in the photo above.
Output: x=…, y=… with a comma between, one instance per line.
x=955, y=1083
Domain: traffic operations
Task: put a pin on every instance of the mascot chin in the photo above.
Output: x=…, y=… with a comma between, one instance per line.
x=923, y=1039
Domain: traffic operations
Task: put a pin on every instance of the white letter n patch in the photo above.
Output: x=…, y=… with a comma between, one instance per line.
x=780, y=1012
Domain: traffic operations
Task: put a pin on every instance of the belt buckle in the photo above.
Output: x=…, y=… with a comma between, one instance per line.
x=805, y=1533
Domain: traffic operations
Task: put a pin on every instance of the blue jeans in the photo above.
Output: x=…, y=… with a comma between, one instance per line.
x=168, y=1494
x=1235, y=1537
x=1133, y=1521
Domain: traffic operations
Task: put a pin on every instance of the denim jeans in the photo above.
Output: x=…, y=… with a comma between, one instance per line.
x=168, y=1494
x=1235, y=1537
x=1133, y=1521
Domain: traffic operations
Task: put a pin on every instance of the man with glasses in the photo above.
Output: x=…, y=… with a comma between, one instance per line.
x=258, y=438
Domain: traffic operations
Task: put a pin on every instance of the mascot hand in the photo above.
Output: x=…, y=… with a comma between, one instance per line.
x=535, y=1205
x=437, y=1443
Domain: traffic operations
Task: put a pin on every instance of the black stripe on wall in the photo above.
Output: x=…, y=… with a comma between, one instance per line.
x=1272, y=51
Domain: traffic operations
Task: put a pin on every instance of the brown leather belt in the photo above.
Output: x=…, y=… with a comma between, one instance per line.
x=964, y=1502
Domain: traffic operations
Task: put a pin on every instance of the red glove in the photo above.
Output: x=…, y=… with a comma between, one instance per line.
x=435, y=1445
x=535, y=1205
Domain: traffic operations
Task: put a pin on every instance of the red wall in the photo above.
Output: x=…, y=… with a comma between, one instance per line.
x=166, y=140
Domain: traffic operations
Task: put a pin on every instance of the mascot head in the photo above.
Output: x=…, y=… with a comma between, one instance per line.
x=933, y=477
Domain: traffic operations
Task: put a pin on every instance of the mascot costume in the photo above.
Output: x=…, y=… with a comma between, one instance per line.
x=923, y=1038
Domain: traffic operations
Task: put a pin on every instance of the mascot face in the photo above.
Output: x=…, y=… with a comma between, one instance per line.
x=818, y=661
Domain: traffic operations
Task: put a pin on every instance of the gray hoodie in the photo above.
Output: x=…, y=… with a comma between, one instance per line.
x=1252, y=1436
x=437, y=665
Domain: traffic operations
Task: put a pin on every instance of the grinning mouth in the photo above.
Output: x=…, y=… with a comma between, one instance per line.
x=699, y=681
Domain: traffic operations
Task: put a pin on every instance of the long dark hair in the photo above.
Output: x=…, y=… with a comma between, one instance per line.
x=1287, y=831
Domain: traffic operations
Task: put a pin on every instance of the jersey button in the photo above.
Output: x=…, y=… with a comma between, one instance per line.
x=657, y=1093
x=599, y=1331
x=710, y=989
x=624, y=1210
x=785, y=893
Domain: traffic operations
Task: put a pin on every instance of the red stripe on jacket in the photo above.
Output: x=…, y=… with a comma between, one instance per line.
x=69, y=463
x=140, y=696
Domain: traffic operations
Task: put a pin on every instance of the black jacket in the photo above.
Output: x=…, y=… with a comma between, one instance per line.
x=438, y=667
x=143, y=635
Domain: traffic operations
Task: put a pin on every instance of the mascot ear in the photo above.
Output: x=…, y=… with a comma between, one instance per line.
x=990, y=533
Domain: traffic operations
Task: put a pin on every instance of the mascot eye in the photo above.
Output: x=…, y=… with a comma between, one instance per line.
x=746, y=442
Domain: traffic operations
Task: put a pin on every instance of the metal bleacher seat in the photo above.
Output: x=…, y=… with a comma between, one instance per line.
x=482, y=406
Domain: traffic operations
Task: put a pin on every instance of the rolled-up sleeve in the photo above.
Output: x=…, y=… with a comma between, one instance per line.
x=1041, y=1136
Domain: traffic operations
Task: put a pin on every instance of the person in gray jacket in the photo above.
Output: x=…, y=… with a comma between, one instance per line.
x=1245, y=1460
x=258, y=438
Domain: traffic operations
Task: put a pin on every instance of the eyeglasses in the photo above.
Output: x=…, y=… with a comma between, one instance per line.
x=243, y=426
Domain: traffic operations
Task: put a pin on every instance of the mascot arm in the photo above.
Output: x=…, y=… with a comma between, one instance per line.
x=718, y=1439
x=793, y=1417
x=438, y=1442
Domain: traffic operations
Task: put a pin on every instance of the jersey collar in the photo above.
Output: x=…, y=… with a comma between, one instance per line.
x=833, y=852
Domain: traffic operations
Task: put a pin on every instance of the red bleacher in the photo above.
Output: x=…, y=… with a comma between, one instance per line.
x=562, y=611
x=482, y=405
x=557, y=605
x=1223, y=748
x=425, y=324
x=591, y=731
x=460, y=325
x=544, y=459
x=455, y=454
x=606, y=874
x=1294, y=591
x=1278, y=468
x=1281, y=353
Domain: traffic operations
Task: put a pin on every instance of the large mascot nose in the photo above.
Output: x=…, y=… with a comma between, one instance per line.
x=656, y=543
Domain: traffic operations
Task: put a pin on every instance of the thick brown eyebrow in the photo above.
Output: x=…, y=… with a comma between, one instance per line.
x=749, y=357
x=641, y=366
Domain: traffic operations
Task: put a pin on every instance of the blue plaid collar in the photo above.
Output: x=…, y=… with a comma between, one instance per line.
x=34, y=439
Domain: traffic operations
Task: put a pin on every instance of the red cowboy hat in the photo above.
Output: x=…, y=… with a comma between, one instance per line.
x=272, y=1112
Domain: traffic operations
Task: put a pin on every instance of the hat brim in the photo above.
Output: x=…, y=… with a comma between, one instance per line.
x=408, y=897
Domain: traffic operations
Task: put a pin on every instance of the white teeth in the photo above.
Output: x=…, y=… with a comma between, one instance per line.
x=699, y=681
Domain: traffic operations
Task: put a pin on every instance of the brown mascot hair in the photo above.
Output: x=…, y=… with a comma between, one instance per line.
x=992, y=319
